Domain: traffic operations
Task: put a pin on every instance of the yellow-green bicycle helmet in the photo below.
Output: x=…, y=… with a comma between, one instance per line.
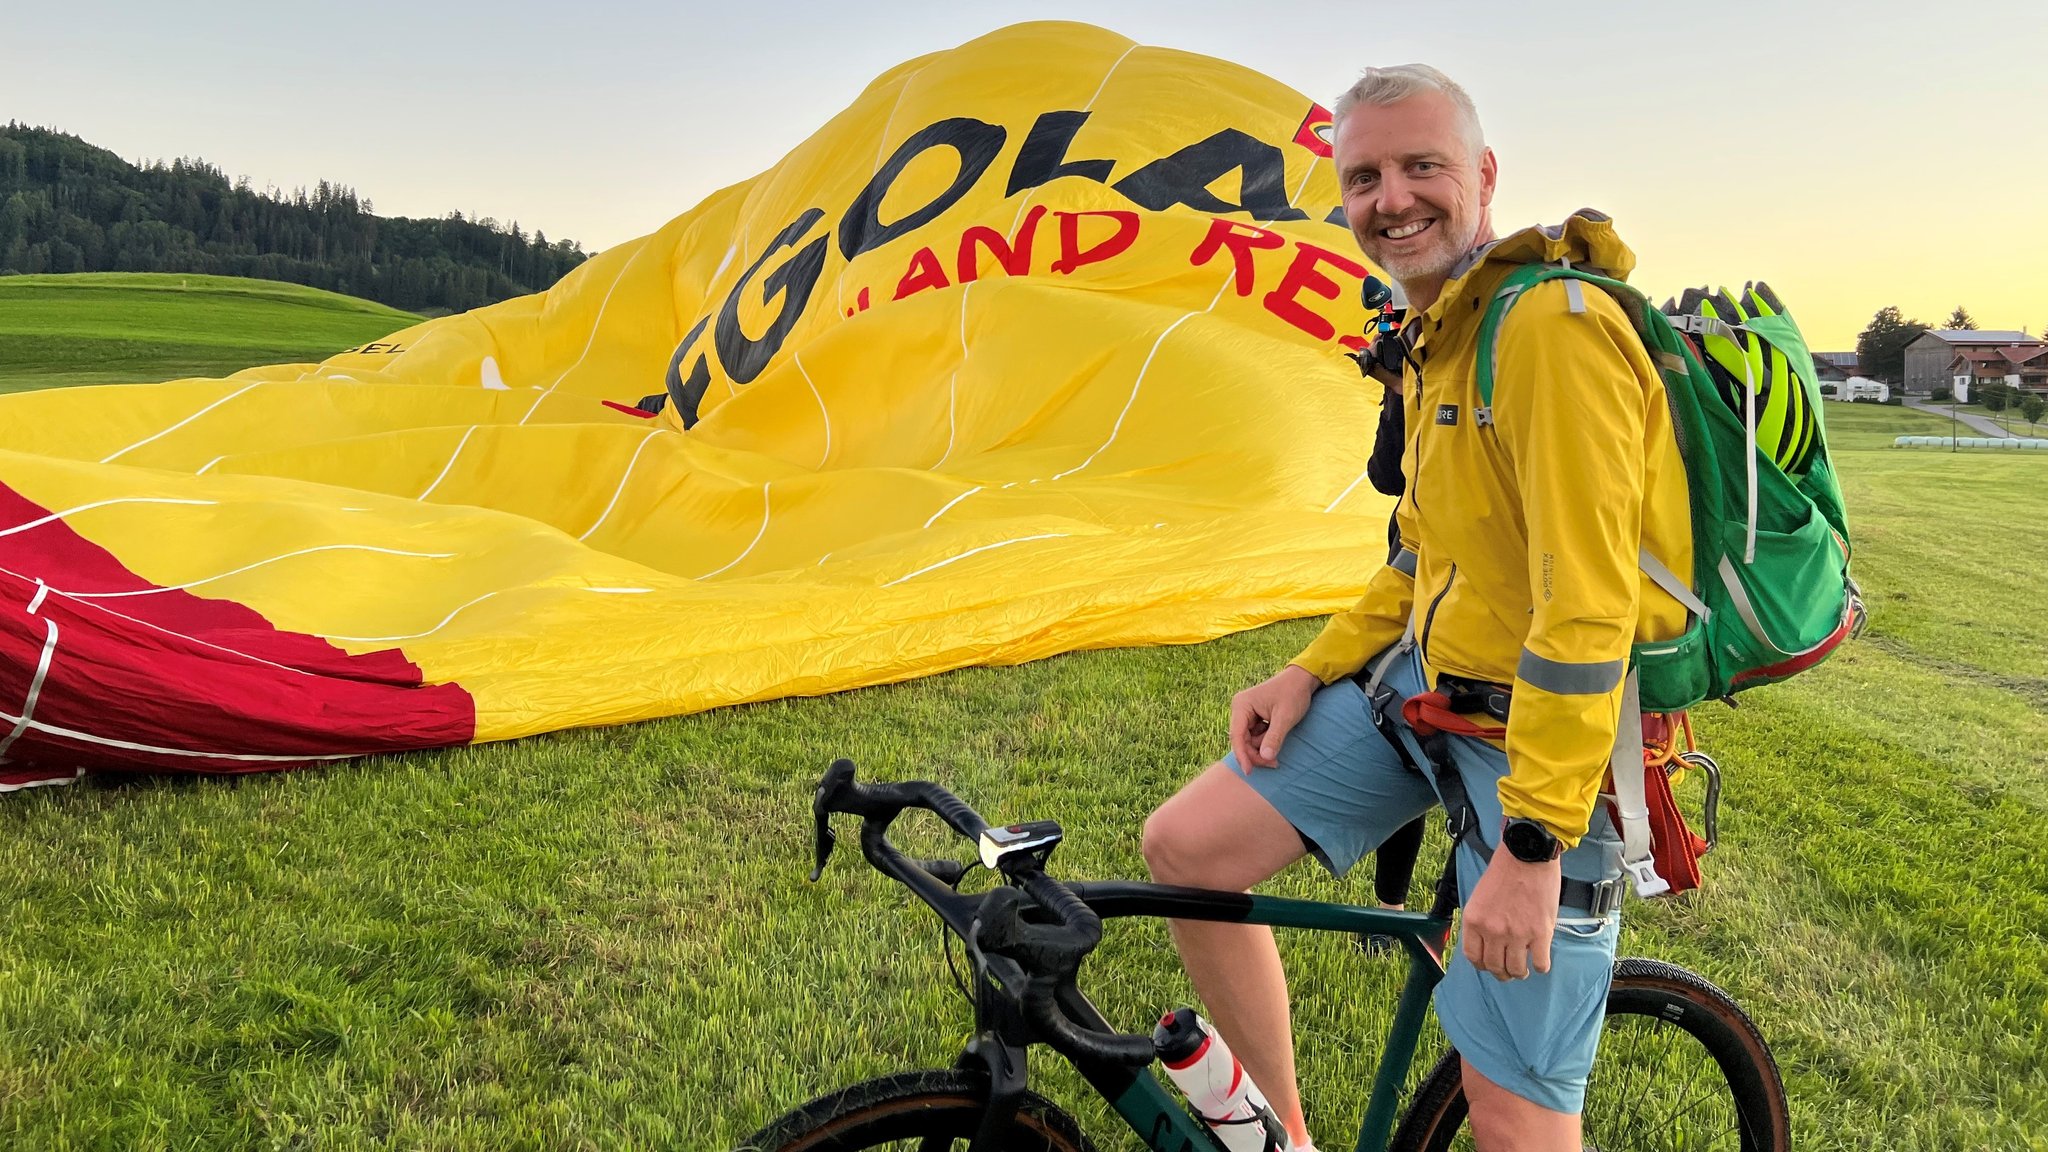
x=1787, y=427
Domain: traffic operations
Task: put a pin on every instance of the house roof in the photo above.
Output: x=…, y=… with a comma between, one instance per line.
x=1980, y=336
x=2002, y=360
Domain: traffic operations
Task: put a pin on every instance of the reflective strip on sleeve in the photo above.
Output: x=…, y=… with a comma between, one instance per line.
x=1562, y=679
x=1404, y=562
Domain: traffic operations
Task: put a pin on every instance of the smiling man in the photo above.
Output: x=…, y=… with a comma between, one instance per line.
x=1518, y=586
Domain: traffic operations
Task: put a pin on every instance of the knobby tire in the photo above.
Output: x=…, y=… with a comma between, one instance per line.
x=930, y=1111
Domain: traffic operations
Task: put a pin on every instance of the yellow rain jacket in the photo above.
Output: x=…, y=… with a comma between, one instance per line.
x=1523, y=526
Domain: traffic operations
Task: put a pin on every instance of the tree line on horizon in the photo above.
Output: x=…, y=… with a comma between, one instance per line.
x=67, y=206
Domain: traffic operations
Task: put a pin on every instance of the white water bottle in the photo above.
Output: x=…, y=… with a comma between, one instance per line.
x=1201, y=1065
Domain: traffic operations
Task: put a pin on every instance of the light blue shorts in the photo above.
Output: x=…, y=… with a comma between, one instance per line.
x=1345, y=790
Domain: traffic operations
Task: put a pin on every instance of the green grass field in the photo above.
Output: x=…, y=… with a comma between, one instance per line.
x=129, y=327
x=603, y=939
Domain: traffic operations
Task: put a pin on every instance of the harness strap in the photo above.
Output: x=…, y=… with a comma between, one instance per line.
x=1435, y=712
x=1599, y=899
x=1631, y=800
x=1372, y=686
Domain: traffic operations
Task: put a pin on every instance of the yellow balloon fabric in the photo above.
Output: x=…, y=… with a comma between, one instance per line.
x=1036, y=347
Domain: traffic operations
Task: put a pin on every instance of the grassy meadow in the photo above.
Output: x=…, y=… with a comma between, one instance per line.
x=129, y=327
x=603, y=939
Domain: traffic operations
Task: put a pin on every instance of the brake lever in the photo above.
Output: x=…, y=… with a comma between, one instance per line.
x=836, y=780
x=822, y=844
x=997, y=921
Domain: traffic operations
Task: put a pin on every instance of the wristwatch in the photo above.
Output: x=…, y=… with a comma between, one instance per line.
x=1530, y=841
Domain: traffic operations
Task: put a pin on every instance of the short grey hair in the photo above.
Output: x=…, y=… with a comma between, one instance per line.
x=1379, y=87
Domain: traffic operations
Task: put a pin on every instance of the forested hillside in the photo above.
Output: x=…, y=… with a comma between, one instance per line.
x=66, y=206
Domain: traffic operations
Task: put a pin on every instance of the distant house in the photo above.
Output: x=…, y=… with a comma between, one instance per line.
x=2023, y=366
x=1829, y=370
x=1930, y=357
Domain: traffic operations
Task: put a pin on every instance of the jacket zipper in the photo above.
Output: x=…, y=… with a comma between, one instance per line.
x=1414, y=505
x=1429, y=621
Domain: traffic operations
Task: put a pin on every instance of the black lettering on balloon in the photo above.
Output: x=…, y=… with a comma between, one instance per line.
x=744, y=357
x=1338, y=218
x=687, y=394
x=1044, y=155
x=1185, y=176
x=976, y=141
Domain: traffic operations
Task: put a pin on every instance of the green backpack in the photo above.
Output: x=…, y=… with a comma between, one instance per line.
x=1770, y=594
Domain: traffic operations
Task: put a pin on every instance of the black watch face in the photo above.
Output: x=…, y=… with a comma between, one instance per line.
x=1529, y=841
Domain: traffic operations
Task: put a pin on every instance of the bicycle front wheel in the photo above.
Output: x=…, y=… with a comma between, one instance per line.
x=1680, y=1067
x=934, y=1111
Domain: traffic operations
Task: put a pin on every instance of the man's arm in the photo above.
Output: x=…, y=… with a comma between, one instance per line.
x=1569, y=408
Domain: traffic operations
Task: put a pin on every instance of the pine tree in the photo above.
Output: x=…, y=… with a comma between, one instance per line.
x=1960, y=320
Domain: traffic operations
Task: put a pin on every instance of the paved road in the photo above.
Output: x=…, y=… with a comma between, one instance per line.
x=1982, y=424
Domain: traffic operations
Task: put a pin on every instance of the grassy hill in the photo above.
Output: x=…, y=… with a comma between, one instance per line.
x=603, y=939
x=132, y=327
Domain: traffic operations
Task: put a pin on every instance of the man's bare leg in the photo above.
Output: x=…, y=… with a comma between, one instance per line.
x=1504, y=1122
x=1219, y=833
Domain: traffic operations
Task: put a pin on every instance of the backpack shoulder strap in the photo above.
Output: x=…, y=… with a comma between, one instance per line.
x=1528, y=276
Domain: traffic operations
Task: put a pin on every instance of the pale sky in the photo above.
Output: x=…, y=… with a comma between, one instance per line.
x=1853, y=155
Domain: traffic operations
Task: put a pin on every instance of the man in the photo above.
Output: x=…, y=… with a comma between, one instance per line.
x=1523, y=526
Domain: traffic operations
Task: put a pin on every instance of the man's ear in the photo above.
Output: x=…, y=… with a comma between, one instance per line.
x=1489, y=172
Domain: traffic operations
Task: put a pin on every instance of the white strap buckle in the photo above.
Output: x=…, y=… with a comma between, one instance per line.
x=1643, y=873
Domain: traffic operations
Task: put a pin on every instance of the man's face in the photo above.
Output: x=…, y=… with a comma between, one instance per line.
x=1415, y=196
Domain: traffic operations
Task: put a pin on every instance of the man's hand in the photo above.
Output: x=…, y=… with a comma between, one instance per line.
x=1261, y=716
x=1510, y=917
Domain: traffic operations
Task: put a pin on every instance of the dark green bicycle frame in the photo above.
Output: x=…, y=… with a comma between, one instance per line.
x=1159, y=1118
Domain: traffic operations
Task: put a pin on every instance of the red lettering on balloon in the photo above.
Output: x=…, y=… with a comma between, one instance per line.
x=1073, y=256
x=924, y=272
x=1305, y=275
x=1014, y=255
x=1240, y=239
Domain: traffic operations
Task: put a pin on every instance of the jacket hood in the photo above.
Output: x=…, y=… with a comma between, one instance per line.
x=1586, y=238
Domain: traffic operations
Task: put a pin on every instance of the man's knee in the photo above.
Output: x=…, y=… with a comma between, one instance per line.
x=1170, y=855
x=1218, y=833
x=1505, y=1122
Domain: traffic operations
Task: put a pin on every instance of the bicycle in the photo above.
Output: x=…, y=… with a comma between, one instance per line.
x=1026, y=938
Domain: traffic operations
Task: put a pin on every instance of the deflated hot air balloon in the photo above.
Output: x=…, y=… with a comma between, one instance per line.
x=1036, y=347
